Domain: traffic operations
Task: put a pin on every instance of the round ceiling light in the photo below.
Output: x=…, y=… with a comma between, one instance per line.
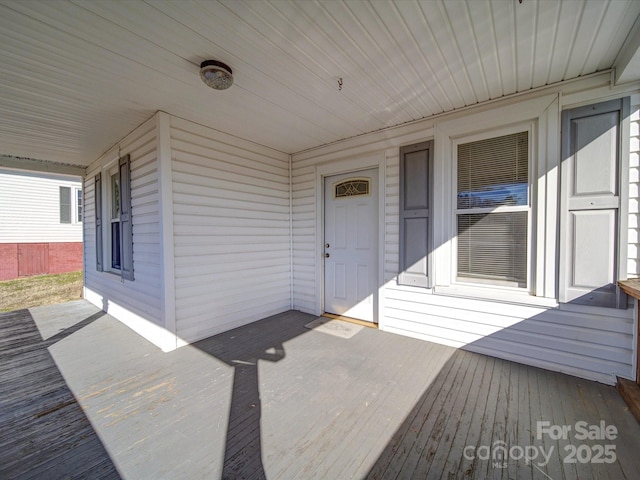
x=216, y=74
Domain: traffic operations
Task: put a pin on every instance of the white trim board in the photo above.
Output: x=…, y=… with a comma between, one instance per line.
x=155, y=334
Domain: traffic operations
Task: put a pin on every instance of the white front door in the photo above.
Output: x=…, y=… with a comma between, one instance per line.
x=351, y=244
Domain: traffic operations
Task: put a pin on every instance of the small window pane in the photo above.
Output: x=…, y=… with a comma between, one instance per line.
x=352, y=187
x=115, y=196
x=115, y=245
x=492, y=247
x=494, y=172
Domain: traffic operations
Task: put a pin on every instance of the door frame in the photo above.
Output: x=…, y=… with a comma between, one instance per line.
x=352, y=165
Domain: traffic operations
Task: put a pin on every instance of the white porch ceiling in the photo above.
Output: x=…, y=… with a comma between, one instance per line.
x=78, y=75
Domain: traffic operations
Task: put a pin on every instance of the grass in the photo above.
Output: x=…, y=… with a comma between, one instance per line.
x=40, y=290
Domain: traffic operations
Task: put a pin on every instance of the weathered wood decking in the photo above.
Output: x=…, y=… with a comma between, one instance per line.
x=276, y=400
x=43, y=431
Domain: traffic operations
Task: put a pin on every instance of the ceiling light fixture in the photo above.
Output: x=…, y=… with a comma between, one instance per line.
x=216, y=74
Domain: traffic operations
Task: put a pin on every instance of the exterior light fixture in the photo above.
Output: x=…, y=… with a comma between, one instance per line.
x=216, y=74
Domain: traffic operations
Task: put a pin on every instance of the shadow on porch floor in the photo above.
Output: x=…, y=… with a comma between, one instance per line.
x=276, y=400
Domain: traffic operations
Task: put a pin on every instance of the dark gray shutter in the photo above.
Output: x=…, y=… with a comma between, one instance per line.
x=65, y=205
x=126, y=226
x=590, y=213
x=415, y=225
x=97, y=191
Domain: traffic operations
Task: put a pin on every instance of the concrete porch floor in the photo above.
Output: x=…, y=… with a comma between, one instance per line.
x=82, y=396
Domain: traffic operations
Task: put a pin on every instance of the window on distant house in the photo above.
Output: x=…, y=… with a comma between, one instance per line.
x=79, y=205
x=492, y=211
x=65, y=205
x=70, y=205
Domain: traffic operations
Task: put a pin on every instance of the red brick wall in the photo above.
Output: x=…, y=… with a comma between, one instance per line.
x=8, y=261
x=63, y=257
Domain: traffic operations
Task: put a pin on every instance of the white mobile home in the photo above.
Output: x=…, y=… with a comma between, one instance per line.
x=40, y=223
x=461, y=172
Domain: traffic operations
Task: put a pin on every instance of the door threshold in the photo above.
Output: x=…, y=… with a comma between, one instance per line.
x=364, y=323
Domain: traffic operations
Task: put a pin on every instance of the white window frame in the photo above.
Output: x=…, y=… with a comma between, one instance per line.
x=528, y=127
x=542, y=115
x=121, y=168
x=78, y=203
x=111, y=171
x=74, y=217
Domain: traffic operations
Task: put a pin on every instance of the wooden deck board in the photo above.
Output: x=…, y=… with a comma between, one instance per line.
x=479, y=469
x=440, y=439
x=471, y=413
x=376, y=413
x=513, y=411
x=552, y=411
x=276, y=400
x=525, y=414
x=614, y=411
x=43, y=431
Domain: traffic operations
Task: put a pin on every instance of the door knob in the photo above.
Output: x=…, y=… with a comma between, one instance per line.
x=326, y=245
x=326, y=255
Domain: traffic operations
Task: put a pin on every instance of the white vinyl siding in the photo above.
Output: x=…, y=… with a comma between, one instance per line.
x=304, y=245
x=231, y=230
x=589, y=342
x=30, y=208
x=596, y=344
x=633, y=254
x=141, y=297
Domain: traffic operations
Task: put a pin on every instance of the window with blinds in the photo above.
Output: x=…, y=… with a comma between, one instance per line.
x=493, y=210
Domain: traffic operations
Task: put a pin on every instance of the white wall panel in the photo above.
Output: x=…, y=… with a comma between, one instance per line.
x=591, y=345
x=30, y=208
x=231, y=230
x=304, y=239
x=633, y=262
x=136, y=302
